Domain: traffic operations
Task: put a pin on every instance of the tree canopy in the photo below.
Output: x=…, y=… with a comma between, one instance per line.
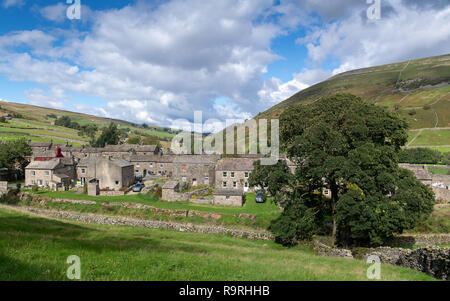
x=13, y=153
x=110, y=135
x=349, y=147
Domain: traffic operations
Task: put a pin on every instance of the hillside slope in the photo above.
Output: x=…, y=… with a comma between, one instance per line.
x=37, y=124
x=419, y=90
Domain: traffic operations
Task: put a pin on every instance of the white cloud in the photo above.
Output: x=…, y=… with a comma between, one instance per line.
x=56, y=13
x=157, y=64
x=38, y=97
x=410, y=32
x=12, y=3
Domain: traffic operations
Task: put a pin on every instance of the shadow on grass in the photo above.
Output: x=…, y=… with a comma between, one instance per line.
x=26, y=231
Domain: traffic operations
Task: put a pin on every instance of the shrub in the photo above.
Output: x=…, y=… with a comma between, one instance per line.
x=412, y=112
x=35, y=188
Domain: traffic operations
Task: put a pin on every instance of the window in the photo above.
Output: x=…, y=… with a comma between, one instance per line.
x=227, y=197
x=40, y=182
x=138, y=165
x=246, y=174
x=47, y=173
x=117, y=183
x=246, y=184
x=224, y=174
x=33, y=173
x=232, y=174
x=83, y=171
x=151, y=164
x=234, y=184
x=32, y=182
x=224, y=184
x=183, y=179
x=326, y=191
x=206, y=181
x=161, y=165
x=46, y=183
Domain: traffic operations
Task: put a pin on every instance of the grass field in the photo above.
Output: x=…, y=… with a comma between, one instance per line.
x=439, y=171
x=35, y=120
x=432, y=137
x=36, y=248
x=265, y=212
x=438, y=222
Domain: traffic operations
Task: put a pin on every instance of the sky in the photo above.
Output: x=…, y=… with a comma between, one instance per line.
x=157, y=62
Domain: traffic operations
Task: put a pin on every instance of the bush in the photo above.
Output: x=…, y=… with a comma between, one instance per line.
x=296, y=223
x=35, y=188
x=412, y=112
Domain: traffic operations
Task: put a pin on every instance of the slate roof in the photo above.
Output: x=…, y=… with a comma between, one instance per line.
x=85, y=162
x=235, y=164
x=229, y=192
x=51, y=164
x=196, y=159
x=151, y=158
x=128, y=147
x=40, y=144
x=170, y=185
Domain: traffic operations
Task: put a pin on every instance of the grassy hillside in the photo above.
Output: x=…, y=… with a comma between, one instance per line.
x=419, y=90
x=36, y=248
x=36, y=123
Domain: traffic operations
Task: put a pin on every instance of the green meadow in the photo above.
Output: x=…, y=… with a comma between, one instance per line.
x=36, y=248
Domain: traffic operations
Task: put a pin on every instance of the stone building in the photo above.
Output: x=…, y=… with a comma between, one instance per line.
x=420, y=171
x=161, y=165
x=228, y=197
x=54, y=173
x=127, y=149
x=233, y=173
x=170, y=191
x=111, y=173
x=195, y=169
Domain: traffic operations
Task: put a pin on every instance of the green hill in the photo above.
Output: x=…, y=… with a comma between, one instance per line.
x=419, y=90
x=37, y=124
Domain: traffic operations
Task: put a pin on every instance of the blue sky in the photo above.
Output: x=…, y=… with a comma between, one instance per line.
x=158, y=61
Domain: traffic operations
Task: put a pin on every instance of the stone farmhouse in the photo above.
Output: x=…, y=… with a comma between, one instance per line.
x=233, y=173
x=55, y=173
x=161, y=165
x=110, y=173
x=195, y=170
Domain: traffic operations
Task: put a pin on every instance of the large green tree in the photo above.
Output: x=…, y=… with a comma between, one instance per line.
x=350, y=147
x=110, y=135
x=13, y=153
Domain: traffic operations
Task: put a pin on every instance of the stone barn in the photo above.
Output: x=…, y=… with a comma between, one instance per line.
x=228, y=197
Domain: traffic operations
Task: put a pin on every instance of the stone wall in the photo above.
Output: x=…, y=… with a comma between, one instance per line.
x=442, y=194
x=3, y=187
x=434, y=261
x=108, y=220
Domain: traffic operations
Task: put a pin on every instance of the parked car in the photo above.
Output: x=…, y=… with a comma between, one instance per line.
x=260, y=198
x=138, y=187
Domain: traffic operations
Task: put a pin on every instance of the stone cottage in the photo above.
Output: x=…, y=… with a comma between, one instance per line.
x=160, y=165
x=111, y=173
x=54, y=173
x=195, y=169
x=233, y=173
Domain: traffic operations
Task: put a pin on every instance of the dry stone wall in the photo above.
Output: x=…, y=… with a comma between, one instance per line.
x=108, y=220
